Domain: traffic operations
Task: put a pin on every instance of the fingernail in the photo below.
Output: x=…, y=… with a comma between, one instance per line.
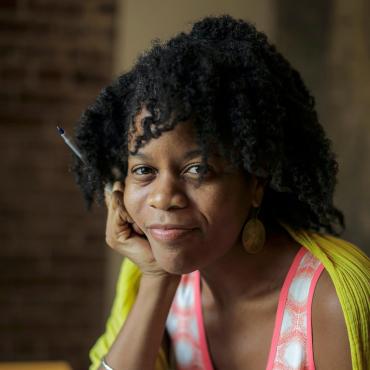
x=108, y=187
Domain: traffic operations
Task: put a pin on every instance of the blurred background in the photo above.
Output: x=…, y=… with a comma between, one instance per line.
x=56, y=274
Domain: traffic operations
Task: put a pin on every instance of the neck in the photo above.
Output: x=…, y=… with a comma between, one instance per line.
x=238, y=276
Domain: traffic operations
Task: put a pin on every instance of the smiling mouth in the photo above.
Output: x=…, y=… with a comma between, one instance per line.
x=170, y=234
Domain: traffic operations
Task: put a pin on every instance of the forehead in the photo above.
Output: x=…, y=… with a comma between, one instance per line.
x=179, y=140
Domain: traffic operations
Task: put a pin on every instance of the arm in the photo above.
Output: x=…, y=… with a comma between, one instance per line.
x=127, y=288
x=141, y=305
x=330, y=338
x=137, y=343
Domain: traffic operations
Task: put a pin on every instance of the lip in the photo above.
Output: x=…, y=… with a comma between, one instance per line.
x=170, y=226
x=169, y=233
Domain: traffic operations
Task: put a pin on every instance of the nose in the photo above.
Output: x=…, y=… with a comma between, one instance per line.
x=167, y=193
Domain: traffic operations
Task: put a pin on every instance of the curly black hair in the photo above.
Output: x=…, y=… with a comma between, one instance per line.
x=242, y=94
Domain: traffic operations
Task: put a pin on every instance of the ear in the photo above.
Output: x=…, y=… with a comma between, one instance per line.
x=258, y=190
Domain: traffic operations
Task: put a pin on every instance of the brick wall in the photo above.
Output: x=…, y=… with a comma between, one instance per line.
x=55, y=56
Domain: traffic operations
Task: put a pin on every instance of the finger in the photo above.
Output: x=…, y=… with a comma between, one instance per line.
x=107, y=197
x=115, y=218
x=123, y=216
x=119, y=186
x=137, y=229
x=117, y=199
x=118, y=229
x=124, y=233
x=120, y=217
x=119, y=204
x=108, y=187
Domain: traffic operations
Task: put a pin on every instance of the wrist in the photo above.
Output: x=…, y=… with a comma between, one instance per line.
x=160, y=279
x=104, y=365
x=159, y=283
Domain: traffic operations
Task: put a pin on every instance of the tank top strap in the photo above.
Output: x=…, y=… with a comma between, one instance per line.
x=183, y=326
x=291, y=346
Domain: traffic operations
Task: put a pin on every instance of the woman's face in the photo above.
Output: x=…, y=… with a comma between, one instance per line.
x=161, y=188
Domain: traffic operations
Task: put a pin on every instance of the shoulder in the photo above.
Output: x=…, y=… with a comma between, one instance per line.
x=330, y=338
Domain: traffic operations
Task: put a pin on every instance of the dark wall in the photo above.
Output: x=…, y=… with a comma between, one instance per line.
x=328, y=42
x=55, y=56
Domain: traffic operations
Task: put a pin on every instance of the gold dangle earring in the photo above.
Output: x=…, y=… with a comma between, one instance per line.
x=254, y=233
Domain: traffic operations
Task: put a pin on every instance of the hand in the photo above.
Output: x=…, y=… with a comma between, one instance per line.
x=124, y=236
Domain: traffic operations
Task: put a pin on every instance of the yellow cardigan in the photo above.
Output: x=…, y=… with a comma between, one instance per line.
x=347, y=265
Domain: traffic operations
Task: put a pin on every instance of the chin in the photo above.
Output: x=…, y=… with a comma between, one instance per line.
x=176, y=264
x=178, y=258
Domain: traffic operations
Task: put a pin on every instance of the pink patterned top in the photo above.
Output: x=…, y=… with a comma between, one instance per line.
x=291, y=345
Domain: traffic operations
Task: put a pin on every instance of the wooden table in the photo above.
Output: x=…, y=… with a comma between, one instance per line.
x=32, y=365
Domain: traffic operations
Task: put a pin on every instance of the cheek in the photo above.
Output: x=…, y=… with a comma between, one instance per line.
x=226, y=211
x=226, y=204
x=226, y=225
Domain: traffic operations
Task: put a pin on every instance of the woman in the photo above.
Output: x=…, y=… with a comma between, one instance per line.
x=222, y=202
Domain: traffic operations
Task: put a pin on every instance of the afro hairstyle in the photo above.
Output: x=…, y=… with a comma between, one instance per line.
x=241, y=93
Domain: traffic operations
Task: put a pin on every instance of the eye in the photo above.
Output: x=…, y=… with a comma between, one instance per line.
x=198, y=168
x=142, y=171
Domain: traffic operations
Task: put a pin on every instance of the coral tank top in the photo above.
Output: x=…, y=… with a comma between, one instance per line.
x=291, y=344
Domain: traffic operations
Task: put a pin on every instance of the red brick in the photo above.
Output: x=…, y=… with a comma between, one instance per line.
x=52, y=253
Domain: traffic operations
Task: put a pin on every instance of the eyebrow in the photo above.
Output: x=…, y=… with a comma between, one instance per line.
x=188, y=155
